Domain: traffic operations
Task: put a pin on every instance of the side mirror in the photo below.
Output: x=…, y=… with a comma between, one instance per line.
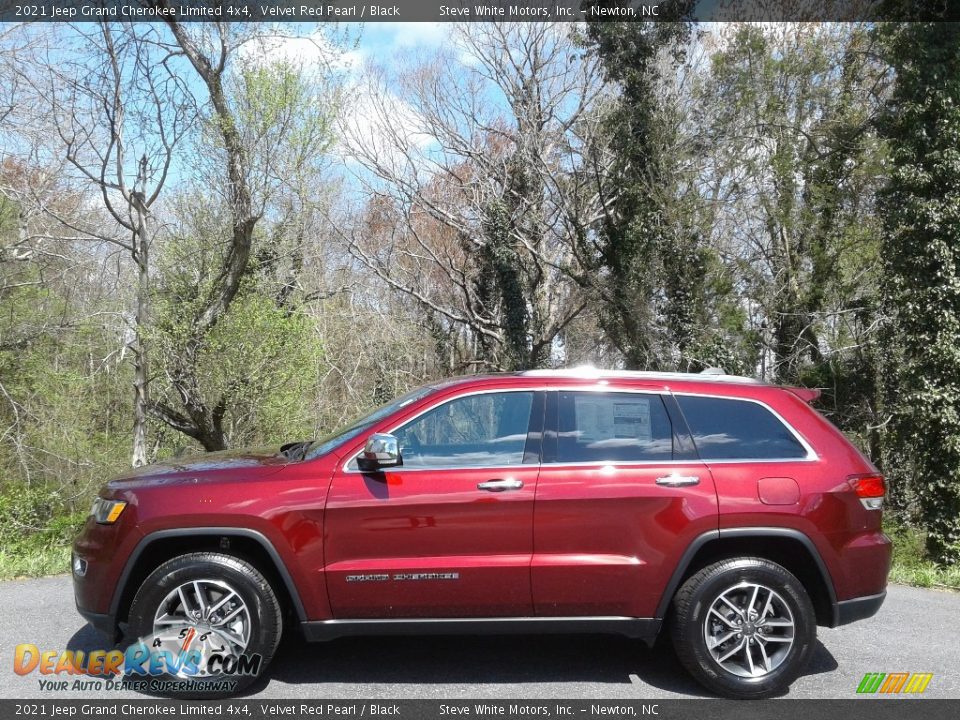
x=381, y=451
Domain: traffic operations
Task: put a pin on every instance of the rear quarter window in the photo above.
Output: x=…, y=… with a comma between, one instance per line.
x=731, y=429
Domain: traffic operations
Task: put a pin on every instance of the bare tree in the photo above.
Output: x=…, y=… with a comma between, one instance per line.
x=111, y=112
x=469, y=172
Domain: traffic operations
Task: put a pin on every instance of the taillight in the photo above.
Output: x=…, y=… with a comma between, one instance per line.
x=870, y=489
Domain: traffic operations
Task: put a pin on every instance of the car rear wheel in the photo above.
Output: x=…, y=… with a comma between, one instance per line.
x=744, y=627
x=210, y=621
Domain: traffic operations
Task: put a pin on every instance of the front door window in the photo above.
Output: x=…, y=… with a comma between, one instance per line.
x=484, y=430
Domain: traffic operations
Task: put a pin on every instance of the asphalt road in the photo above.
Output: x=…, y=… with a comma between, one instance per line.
x=915, y=631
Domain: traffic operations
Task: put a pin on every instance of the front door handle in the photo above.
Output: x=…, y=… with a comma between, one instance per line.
x=500, y=485
x=678, y=480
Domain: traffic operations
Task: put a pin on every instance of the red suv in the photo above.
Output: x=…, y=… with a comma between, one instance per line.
x=720, y=508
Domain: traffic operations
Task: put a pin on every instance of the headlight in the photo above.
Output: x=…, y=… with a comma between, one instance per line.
x=106, y=512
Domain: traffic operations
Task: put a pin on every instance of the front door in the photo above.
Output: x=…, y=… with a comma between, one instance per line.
x=449, y=533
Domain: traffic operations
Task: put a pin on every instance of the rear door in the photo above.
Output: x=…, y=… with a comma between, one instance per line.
x=620, y=497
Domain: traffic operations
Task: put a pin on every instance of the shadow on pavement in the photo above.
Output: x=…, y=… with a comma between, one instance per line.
x=475, y=660
x=88, y=639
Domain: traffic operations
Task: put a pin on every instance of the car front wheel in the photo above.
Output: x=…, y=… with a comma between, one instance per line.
x=208, y=622
x=744, y=628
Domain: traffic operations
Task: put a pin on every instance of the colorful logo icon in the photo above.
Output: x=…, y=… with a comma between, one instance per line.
x=890, y=683
x=139, y=659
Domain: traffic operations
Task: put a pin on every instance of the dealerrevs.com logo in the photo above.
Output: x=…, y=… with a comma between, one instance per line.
x=140, y=667
x=894, y=683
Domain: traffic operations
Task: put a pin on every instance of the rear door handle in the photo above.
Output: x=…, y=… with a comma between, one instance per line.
x=678, y=480
x=500, y=485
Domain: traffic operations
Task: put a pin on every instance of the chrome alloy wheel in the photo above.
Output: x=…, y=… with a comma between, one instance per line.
x=749, y=630
x=207, y=616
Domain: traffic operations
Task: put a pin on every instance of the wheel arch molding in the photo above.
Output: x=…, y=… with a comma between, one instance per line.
x=134, y=573
x=730, y=542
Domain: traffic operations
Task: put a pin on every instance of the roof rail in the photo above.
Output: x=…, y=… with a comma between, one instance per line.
x=588, y=371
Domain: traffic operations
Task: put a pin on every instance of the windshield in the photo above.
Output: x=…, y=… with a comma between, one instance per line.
x=356, y=426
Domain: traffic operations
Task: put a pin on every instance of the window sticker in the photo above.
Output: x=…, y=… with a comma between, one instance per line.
x=603, y=418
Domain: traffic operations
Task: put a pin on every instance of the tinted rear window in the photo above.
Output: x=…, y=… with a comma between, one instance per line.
x=728, y=429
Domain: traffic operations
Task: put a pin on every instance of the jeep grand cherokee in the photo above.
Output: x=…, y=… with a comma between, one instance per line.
x=722, y=510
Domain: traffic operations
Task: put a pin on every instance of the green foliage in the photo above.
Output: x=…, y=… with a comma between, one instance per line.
x=36, y=561
x=268, y=132
x=36, y=529
x=33, y=516
x=282, y=116
x=790, y=109
x=71, y=408
x=911, y=564
x=63, y=402
x=261, y=362
x=26, y=511
x=921, y=253
x=279, y=99
x=258, y=366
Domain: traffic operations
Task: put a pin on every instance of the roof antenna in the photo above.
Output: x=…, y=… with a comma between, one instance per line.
x=712, y=371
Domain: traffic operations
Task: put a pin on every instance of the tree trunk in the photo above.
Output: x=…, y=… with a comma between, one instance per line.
x=141, y=399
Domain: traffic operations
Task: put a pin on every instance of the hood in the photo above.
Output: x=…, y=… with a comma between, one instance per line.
x=238, y=464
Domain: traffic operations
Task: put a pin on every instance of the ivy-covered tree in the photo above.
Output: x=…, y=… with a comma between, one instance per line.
x=504, y=279
x=921, y=254
x=642, y=265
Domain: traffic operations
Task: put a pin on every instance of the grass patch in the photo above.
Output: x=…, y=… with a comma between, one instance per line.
x=21, y=562
x=35, y=533
x=911, y=565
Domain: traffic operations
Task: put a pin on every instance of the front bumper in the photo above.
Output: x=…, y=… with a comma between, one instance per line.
x=848, y=611
x=103, y=549
x=104, y=623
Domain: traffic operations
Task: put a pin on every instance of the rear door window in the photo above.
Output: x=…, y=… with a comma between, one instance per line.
x=613, y=427
x=731, y=429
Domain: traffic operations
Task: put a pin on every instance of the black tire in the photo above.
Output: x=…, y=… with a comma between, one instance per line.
x=264, y=619
x=689, y=629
